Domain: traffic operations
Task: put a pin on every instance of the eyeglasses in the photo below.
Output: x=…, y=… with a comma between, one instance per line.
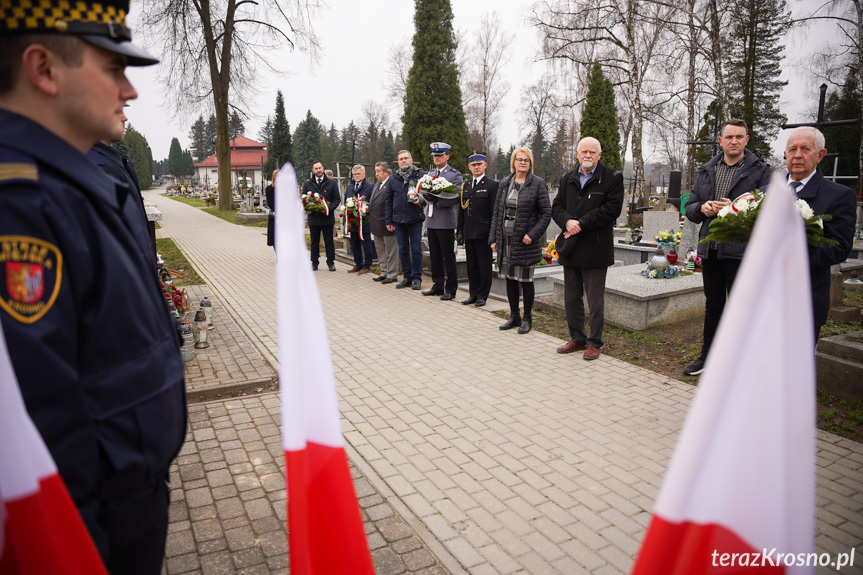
x=523, y=160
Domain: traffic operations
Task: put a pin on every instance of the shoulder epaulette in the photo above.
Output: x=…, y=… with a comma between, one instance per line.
x=17, y=167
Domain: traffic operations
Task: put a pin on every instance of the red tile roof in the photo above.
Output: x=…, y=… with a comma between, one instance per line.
x=245, y=153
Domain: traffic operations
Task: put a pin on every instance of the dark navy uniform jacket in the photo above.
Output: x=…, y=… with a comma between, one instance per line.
x=474, y=221
x=94, y=350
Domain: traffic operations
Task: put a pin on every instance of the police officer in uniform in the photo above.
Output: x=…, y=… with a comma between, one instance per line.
x=441, y=221
x=474, y=224
x=103, y=386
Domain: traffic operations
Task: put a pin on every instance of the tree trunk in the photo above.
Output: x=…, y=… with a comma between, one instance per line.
x=691, y=112
x=858, y=9
x=716, y=54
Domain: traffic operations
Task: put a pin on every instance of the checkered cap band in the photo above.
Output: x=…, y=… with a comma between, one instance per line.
x=43, y=15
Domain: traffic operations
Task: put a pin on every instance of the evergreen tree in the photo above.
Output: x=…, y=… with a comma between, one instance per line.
x=702, y=153
x=139, y=152
x=210, y=137
x=348, y=144
x=307, y=145
x=600, y=117
x=329, y=145
x=188, y=164
x=388, y=150
x=175, y=162
x=845, y=140
x=280, y=150
x=433, y=108
x=159, y=168
x=754, y=66
x=500, y=166
x=265, y=136
x=235, y=126
x=198, y=135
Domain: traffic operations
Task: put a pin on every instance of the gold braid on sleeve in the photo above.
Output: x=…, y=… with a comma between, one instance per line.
x=464, y=204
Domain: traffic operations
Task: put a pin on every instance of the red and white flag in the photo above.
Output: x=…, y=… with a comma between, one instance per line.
x=325, y=529
x=742, y=477
x=40, y=528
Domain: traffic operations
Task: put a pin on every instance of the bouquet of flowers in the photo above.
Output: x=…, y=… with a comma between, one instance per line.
x=436, y=186
x=354, y=211
x=661, y=274
x=666, y=238
x=314, y=203
x=735, y=222
x=550, y=253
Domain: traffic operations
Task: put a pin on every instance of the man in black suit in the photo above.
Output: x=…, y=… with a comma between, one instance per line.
x=385, y=240
x=803, y=151
x=474, y=224
x=587, y=204
x=322, y=223
x=361, y=234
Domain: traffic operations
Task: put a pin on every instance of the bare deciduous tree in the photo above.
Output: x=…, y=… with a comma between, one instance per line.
x=210, y=52
x=401, y=59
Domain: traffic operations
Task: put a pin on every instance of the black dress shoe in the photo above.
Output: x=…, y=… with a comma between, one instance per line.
x=379, y=279
x=513, y=321
x=418, y=285
x=447, y=297
x=314, y=267
x=332, y=267
x=403, y=284
x=479, y=303
x=432, y=292
x=388, y=281
x=526, y=324
x=469, y=300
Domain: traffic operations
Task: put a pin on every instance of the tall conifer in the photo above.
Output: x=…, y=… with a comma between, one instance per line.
x=600, y=117
x=307, y=145
x=281, y=149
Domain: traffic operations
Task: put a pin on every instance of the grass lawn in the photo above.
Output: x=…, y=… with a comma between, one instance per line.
x=194, y=202
x=668, y=349
x=231, y=216
x=175, y=260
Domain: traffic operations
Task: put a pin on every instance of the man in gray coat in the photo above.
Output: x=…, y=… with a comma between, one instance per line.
x=441, y=221
x=385, y=240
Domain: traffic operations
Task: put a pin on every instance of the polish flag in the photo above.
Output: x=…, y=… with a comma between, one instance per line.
x=40, y=528
x=742, y=478
x=325, y=528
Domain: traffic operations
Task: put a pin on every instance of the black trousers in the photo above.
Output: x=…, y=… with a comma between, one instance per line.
x=442, y=256
x=315, y=248
x=479, y=258
x=718, y=277
x=576, y=283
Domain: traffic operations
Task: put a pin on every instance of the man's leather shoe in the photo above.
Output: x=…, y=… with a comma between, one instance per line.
x=447, y=297
x=592, y=352
x=479, y=303
x=354, y=269
x=403, y=284
x=379, y=279
x=363, y=271
x=469, y=300
x=418, y=285
x=432, y=292
x=314, y=267
x=526, y=324
x=388, y=281
x=571, y=346
x=513, y=321
x=332, y=267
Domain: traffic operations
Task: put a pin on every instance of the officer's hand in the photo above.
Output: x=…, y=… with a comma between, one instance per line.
x=391, y=228
x=459, y=238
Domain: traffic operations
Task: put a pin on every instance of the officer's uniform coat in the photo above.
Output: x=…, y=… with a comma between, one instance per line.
x=474, y=225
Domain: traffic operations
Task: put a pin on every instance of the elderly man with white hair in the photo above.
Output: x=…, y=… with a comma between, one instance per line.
x=587, y=204
x=804, y=149
x=361, y=232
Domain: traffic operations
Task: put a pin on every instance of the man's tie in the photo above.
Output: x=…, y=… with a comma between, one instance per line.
x=795, y=185
x=319, y=182
x=475, y=182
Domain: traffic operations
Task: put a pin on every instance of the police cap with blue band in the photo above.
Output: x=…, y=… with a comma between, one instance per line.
x=440, y=148
x=476, y=157
x=100, y=23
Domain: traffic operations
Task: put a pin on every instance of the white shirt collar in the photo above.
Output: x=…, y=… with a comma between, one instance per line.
x=804, y=181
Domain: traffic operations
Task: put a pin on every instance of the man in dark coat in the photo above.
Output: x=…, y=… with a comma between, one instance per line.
x=105, y=391
x=385, y=240
x=587, y=204
x=474, y=224
x=361, y=233
x=404, y=216
x=270, y=196
x=803, y=151
x=322, y=223
x=727, y=176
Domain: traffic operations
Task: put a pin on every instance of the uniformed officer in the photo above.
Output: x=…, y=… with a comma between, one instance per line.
x=93, y=347
x=441, y=221
x=474, y=224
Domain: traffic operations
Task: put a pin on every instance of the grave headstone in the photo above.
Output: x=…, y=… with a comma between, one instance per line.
x=655, y=222
x=689, y=237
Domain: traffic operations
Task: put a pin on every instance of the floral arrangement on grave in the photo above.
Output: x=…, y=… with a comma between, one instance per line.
x=436, y=186
x=355, y=210
x=735, y=222
x=659, y=268
x=692, y=262
x=550, y=252
x=176, y=296
x=666, y=238
x=314, y=203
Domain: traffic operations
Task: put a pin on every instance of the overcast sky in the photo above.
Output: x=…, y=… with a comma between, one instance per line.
x=361, y=33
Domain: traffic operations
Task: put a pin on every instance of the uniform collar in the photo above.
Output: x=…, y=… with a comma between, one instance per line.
x=28, y=137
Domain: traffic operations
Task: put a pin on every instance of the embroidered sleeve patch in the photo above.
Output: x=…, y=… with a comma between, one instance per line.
x=30, y=274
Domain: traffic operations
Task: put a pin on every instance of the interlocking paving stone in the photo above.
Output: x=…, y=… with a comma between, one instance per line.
x=529, y=427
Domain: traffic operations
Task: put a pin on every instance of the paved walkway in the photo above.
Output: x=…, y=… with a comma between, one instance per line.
x=505, y=456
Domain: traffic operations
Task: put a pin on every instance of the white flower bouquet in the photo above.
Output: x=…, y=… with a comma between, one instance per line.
x=436, y=186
